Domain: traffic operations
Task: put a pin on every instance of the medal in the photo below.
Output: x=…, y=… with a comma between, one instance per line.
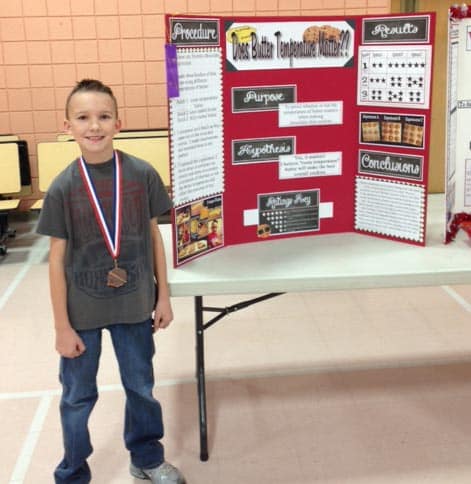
x=117, y=276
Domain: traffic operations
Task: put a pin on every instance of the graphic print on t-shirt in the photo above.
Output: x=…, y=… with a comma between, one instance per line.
x=93, y=261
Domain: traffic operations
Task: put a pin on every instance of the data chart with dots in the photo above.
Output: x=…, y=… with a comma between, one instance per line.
x=398, y=76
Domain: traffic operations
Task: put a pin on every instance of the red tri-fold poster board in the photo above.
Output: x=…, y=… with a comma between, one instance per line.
x=297, y=126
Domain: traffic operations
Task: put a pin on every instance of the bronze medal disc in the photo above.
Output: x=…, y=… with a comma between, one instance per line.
x=117, y=277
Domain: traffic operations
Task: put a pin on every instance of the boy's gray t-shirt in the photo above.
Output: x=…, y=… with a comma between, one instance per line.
x=68, y=214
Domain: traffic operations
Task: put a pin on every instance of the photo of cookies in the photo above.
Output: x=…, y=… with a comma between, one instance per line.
x=370, y=131
x=413, y=134
x=194, y=227
x=202, y=229
x=314, y=33
x=183, y=252
x=391, y=132
x=204, y=212
x=214, y=212
x=201, y=245
x=192, y=249
x=199, y=228
x=263, y=231
x=196, y=208
x=182, y=215
x=392, y=129
x=330, y=33
x=311, y=34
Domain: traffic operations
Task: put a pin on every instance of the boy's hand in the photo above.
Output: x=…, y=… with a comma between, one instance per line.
x=163, y=314
x=68, y=343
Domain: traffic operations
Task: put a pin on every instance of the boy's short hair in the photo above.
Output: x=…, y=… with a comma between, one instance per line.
x=90, y=85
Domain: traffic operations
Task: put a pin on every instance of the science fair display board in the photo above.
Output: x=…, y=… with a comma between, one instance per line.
x=297, y=126
x=458, y=139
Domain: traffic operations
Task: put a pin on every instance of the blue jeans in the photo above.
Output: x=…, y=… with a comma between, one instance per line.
x=143, y=427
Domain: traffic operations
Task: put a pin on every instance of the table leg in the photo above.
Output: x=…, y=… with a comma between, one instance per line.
x=200, y=327
x=200, y=375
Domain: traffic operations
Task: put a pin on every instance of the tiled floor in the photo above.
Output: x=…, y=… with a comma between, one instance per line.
x=370, y=386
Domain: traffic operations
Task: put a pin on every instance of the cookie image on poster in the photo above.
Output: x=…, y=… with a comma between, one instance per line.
x=391, y=132
x=311, y=34
x=413, y=134
x=370, y=131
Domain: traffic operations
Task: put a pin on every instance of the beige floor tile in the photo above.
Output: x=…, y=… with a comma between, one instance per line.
x=9, y=272
x=383, y=385
x=464, y=291
x=385, y=300
x=16, y=416
x=287, y=351
x=338, y=304
x=327, y=387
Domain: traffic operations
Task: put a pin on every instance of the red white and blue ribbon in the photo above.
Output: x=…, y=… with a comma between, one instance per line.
x=112, y=239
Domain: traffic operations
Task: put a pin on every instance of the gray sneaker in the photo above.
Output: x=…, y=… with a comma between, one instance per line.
x=164, y=474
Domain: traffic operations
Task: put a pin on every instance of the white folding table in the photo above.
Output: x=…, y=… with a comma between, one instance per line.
x=313, y=263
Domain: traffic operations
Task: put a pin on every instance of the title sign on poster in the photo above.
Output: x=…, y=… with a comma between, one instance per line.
x=287, y=45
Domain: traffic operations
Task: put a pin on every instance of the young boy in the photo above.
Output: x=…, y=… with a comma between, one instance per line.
x=105, y=251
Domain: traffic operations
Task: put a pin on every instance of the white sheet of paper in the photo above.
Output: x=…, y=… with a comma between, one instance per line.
x=390, y=208
x=197, y=126
x=310, y=114
x=310, y=165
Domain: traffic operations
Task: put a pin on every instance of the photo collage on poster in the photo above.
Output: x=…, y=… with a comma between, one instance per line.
x=199, y=227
